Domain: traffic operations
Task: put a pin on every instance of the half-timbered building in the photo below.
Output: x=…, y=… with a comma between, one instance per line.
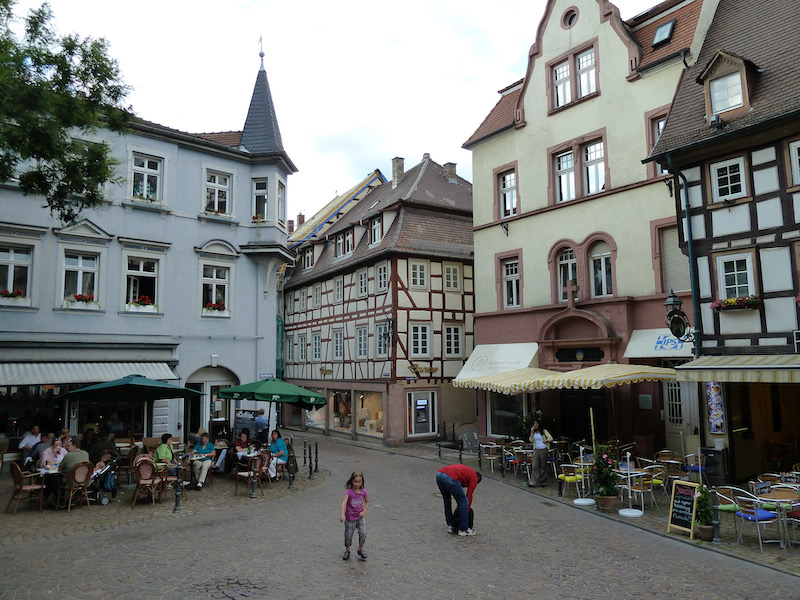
x=378, y=307
x=732, y=138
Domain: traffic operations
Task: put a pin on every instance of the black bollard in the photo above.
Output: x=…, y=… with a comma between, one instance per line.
x=310, y=464
x=502, y=464
x=316, y=457
x=439, y=445
x=460, y=450
x=480, y=464
x=178, y=486
x=290, y=463
x=305, y=444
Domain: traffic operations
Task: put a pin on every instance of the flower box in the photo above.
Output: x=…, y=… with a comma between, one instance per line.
x=141, y=308
x=14, y=301
x=737, y=303
x=210, y=312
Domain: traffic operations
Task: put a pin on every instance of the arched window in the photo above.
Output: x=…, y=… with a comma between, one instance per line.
x=602, y=285
x=567, y=271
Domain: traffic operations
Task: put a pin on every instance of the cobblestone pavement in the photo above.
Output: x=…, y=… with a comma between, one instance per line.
x=288, y=544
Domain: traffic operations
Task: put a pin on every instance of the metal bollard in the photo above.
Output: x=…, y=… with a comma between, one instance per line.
x=291, y=468
x=439, y=445
x=305, y=443
x=460, y=450
x=310, y=464
x=178, y=486
x=480, y=464
x=715, y=514
x=316, y=457
x=502, y=465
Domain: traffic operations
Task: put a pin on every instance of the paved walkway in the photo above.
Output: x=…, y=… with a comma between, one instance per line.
x=288, y=544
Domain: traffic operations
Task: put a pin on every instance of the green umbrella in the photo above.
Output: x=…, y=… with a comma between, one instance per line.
x=275, y=390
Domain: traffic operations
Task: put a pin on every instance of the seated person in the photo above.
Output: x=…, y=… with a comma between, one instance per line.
x=53, y=455
x=89, y=439
x=239, y=447
x=35, y=455
x=280, y=454
x=65, y=435
x=28, y=441
x=203, y=455
x=163, y=454
x=74, y=456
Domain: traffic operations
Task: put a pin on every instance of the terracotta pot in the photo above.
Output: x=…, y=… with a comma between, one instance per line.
x=608, y=503
x=705, y=532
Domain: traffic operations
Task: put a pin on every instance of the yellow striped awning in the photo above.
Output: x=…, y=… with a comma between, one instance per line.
x=510, y=382
x=601, y=376
x=774, y=368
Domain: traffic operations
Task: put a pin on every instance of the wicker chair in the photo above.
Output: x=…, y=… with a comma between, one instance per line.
x=251, y=473
x=126, y=464
x=76, y=484
x=24, y=489
x=147, y=479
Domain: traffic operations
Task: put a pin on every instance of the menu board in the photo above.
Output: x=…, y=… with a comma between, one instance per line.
x=682, y=507
x=244, y=418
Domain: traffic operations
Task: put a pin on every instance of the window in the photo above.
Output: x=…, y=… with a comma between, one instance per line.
x=348, y=242
x=259, y=199
x=562, y=94
x=656, y=128
x=726, y=93
x=80, y=275
x=601, y=270
x=508, y=193
x=339, y=245
x=567, y=271
x=452, y=278
x=420, y=339
x=218, y=192
x=146, y=178
x=511, y=283
x=794, y=158
x=419, y=275
x=727, y=180
x=317, y=295
x=578, y=170
x=594, y=170
x=301, y=348
x=289, y=349
x=382, y=340
x=338, y=289
x=573, y=78
x=586, y=73
x=308, y=258
x=735, y=275
x=338, y=339
x=674, y=263
x=215, y=288
x=382, y=277
x=452, y=340
x=316, y=346
x=363, y=283
x=142, y=281
x=281, y=203
x=15, y=265
x=663, y=33
x=375, y=231
x=303, y=299
x=674, y=403
x=565, y=175
x=362, y=342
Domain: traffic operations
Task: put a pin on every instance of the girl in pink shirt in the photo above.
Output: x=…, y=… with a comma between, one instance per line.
x=354, y=507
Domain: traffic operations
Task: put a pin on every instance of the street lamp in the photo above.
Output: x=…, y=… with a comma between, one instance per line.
x=676, y=320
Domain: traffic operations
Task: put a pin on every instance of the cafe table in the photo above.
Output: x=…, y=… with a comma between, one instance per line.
x=784, y=499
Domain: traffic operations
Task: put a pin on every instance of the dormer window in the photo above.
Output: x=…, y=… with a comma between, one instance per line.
x=728, y=81
x=726, y=93
x=308, y=258
x=663, y=33
x=348, y=242
x=340, y=244
x=375, y=231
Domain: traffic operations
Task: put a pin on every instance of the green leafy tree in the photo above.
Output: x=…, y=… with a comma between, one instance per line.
x=53, y=91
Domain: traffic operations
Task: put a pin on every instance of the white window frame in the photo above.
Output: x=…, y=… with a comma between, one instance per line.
x=507, y=183
x=362, y=283
x=338, y=290
x=303, y=299
x=302, y=348
x=316, y=347
x=348, y=242
x=156, y=276
x=260, y=198
x=339, y=245
x=452, y=277
x=722, y=287
x=419, y=340
x=338, y=344
x=289, y=348
x=594, y=168
x=82, y=271
x=453, y=341
x=146, y=172
x=317, y=295
x=280, y=204
x=567, y=271
x=794, y=159
x=418, y=274
x=382, y=340
x=657, y=126
x=18, y=260
x=716, y=169
x=216, y=193
x=600, y=258
x=308, y=258
x=562, y=87
x=585, y=65
x=382, y=276
x=362, y=342
x=726, y=92
x=511, y=282
x=565, y=177
x=375, y=231
x=215, y=283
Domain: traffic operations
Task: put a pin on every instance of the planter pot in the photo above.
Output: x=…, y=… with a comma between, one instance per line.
x=147, y=308
x=19, y=301
x=705, y=532
x=608, y=503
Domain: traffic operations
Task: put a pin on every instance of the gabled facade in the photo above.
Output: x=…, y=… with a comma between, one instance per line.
x=378, y=307
x=732, y=139
x=580, y=237
x=174, y=277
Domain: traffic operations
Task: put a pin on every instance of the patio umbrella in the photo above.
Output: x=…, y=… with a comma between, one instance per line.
x=275, y=390
x=131, y=389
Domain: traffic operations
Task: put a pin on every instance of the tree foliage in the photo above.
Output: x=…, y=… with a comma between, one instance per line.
x=55, y=90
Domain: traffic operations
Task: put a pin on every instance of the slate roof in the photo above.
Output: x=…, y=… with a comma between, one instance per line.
x=764, y=33
x=261, y=132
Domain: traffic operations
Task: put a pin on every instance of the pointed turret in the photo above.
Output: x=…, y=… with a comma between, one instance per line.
x=261, y=132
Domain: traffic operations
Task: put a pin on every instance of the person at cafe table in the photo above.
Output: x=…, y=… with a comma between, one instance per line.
x=203, y=457
x=74, y=456
x=163, y=454
x=53, y=455
x=29, y=440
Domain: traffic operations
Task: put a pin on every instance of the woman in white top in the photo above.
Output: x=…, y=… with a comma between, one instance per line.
x=541, y=445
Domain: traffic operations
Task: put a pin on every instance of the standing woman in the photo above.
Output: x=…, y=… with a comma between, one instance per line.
x=280, y=454
x=541, y=446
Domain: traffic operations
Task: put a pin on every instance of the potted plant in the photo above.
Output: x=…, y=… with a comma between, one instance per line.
x=142, y=304
x=737, y=303
x=703, y=514
x=605, y=479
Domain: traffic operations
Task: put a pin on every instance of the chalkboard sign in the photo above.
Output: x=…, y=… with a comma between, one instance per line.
x=244, y=418
x=682, y=507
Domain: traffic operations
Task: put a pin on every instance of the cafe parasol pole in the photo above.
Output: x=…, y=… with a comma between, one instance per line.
x=630, y=511
x=594, y=437
x=583, y=501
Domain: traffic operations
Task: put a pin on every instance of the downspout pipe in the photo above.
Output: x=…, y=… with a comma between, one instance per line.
x=684, y=198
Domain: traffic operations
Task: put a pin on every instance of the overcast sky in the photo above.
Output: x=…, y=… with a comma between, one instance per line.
x=354, y=83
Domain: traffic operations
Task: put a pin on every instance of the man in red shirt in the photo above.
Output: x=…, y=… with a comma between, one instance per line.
x=452, y=479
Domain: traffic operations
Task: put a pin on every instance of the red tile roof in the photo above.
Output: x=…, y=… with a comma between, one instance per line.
x=501, y=116
x=231, y=139
x=682, y=34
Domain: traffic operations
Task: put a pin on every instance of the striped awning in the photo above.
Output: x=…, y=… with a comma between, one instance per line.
x=775, y=368
x=489, y=364
x=79, y=372
x=601, y=376
x=511, y=382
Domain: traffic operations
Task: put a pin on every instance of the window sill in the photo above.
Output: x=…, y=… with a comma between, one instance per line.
x=216, y=314
x=557, y=109
x=137, y=308
x=88, y=306
x=218, y=218
x=717, y=204
x=21, y=302
x=141, y=204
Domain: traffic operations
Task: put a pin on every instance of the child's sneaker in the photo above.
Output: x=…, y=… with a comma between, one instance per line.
x=467, y=532
x=362, y=554
x=450, y=529
x=346, y=555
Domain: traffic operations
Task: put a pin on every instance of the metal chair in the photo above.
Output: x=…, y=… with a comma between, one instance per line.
x=22, y=490
x=126, y=466
x=569, y=474
x=77, y=484
x=147, y=479
x=658, y=474
x=255, y=465
x=491, y=454
x=641, y=485
x=522, y=462
x=750, y=511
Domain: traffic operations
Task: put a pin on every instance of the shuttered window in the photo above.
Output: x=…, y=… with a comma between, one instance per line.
x=674, y=264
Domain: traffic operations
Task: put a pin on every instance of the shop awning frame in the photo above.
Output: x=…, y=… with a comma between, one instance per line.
x=511, y=382
x=55, y=373
x=770, y=368
x=604, y=376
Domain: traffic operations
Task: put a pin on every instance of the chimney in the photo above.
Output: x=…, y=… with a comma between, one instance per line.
x=397, y=170
x=450, y=172
x=290, y=226
x=301, y=218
